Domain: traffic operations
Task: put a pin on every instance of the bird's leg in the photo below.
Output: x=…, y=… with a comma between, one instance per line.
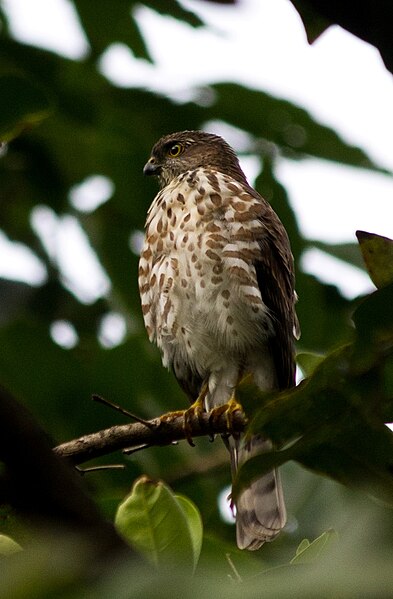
x=228, y=409
x=196, y=409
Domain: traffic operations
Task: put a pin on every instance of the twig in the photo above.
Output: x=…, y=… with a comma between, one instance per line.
x=233, y=568
x=118, y=408
x=159, y=431
x=131, y=450
x=103, y=467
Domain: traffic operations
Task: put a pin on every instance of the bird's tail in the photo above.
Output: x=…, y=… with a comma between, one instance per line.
x=260, y=507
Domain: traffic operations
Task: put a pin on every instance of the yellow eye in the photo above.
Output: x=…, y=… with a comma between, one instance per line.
x=175, y=150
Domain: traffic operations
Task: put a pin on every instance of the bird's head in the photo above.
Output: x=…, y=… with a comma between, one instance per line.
x=178, y=153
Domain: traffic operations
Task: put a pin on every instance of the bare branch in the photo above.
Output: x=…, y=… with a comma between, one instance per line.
x=159, y=431
x=123, y=411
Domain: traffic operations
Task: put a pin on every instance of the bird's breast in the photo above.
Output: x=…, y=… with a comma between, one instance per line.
x=197, y=276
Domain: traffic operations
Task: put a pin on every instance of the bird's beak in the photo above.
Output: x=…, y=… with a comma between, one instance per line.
x=151, y=167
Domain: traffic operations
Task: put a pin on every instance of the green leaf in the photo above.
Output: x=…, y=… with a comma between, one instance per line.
x=175, y=10
x=164, y=528
x=22, y=105
x=292, y=128
x=348, y=252
x=374, y=320
x=314, y=23
x=308, y=361
x=377, y=254
x=8, y=546
x=108, y=22
x=194, y=522
x=332, y=423
x=308, y=552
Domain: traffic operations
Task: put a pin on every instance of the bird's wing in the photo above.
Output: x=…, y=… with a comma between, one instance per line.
x=275, y=275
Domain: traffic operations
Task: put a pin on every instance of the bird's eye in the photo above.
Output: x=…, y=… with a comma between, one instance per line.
x=175, y=150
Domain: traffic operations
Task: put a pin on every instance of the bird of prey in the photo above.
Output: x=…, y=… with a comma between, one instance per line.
x=216, y=278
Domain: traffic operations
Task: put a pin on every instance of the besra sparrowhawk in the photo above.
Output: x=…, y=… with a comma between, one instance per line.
x=216, y=279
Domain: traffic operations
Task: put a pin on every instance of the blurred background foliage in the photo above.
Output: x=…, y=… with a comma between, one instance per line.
x=64, y=124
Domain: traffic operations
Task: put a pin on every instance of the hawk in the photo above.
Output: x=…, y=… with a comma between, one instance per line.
x=216, y=279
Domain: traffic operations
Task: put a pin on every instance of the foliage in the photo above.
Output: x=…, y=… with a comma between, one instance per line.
x=370, y=24
x=65, y=122
x=166, y=528
x=22, y=104
x=8, y=546
x=378, y=255
x=333, y=422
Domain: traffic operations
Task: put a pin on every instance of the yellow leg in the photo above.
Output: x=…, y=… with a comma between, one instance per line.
x=228, y=409
x=196, y=409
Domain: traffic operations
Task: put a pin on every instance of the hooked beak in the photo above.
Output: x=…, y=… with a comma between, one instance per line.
x=151, y=168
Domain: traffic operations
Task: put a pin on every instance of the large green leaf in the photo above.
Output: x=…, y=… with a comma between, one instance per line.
x=292, y=128
x=164, y=528
x=377, y=254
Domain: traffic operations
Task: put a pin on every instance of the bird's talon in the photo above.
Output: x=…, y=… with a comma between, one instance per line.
x=170, y=416
x=228, y=410
x=195, y=410
x=232, y=406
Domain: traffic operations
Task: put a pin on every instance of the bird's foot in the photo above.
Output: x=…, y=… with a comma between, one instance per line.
x=228, y=409
x=187, y=415
x=172, y=415
x=196, y=409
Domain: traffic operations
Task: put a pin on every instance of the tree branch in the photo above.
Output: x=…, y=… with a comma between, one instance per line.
x=160, y=431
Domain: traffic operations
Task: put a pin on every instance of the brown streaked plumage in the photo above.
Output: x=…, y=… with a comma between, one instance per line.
x=216, y=278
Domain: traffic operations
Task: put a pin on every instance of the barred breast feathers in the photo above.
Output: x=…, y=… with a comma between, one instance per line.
x=202, y=239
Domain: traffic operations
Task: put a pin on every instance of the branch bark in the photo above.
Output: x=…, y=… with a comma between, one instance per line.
x=160, y=431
